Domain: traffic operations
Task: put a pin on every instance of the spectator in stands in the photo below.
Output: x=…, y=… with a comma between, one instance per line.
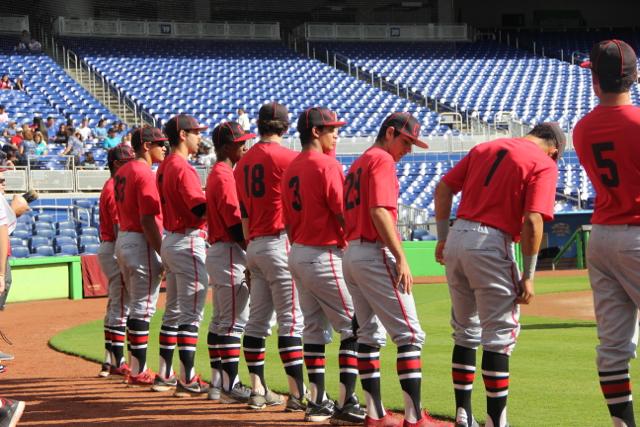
x=206, y=156
x=243, y=120
x=85, y=131
x=121, y=129
x=10, y=130
x=19, y=84
x=89, y=161
x=4, y=116
x=16, y=140
x=34, y=46
x=25, y=37
x=4, y=82
x=75, y=147
x=111, y=140
x=41, y=145
x=39, y=126
x=100, y=132
x=61, y=135
x=51, y=129
x=126, y=139
x=28, y=146
x=11, y=156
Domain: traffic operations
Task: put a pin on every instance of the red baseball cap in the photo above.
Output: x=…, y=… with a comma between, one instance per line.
x=318, y=117
x=229, y=132
x=407, y=125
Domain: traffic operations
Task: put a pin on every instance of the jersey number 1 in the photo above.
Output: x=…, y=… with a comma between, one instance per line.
x=499, y=157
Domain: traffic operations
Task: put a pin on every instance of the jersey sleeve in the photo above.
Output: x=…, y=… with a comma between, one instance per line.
x=456, y=176
x=541, y=192
x=286, y=202
x=227, y=204
x=381, y=175
x=334, y=188
x=148, y=197
x=192, y=194
x=239, y=178
x=112, y=208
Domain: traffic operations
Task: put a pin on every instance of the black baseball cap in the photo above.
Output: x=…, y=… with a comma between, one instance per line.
x=407, y=125
x=146, y=134
x=612, y=59
x=182, y=122
x=274, y=111
x=318, y=117
x=120, y=152
x=228, y=133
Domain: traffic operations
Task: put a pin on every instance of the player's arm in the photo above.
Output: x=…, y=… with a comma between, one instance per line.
x=531, y=237
x=383, y=222
x=443, y=201
x=244, y=217
x=4, y=253
x=151, y=232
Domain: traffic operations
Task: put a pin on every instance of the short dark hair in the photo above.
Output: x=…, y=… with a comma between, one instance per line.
x=305, y=135
x=383, y=131
x=545, y=132
x=617, y=85
x=272, y=127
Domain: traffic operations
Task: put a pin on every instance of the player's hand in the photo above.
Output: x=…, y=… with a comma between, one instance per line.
x=440, y=251
x=2, y=284
x=404, y=279
x=526, y=292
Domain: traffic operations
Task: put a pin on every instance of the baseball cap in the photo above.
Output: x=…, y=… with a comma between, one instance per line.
x=120, y=152
x=182, y=122
x=612, y=59
x=229, y=132
x=146, y=134
x=274, y=111
x=317, y=117
x=407, y=125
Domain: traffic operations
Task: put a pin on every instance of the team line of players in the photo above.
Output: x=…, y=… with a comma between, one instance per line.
x=345, y=269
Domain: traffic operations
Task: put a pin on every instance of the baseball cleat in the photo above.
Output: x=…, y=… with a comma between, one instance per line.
x=10, y=412
x=197, y=387
x=389, y=420
x=427, y=421
x=122, y=370
x=143, y=379
x=350, y=414
x=238, y=394
x=162, y=384
x=319, y=412
x=295, y=404
x=6, y=357
x=214, y=393
x=261, y=401
x=3, y=369
x=474, y=423
x=105, y=371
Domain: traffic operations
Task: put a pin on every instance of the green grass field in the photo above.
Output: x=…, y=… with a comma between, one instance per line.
x=553, y=373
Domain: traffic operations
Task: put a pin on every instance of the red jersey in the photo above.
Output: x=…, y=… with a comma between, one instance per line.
x=502, y=179
x=180, y=191
x=371, y=182
x=136, y=194
x=312, y=195
x=258, y=176
x=108, y=212
x=223, y=208
x=606, y=143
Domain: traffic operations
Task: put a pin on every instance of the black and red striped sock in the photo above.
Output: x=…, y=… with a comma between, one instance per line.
x=187, y=341
x=107, y=345
x=213, y=341
x=314, y=361
x=348, y=362
x=118, y=337
x=616, y=388
x=409, y=368
x=229, y=352
x=254, y=352
x=168, y=338
x=495, y=373
x=138, y=337
x=291, y=355
x=463, y=373
x=369, y=371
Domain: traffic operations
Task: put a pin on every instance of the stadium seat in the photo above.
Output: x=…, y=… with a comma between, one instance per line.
x=90, y=248
x=19, y=252
x=69, y=249
x=89, y=231
x=45, y=232
x=21, y=234
x=15, y=242
x=65, y=225
x=44, y=251
x=64, y=240
x=36, y=241
x=69, y=232
x=87, y=240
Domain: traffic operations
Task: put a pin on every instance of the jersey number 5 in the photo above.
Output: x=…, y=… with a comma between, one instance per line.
x=118, y=188
x=352, y=183
x=254, y=180
x=612, y=179
x=294, y=183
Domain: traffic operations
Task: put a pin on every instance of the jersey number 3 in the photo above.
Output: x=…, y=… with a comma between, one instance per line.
x=612, y=179
x=118, y=188
x=352, y=184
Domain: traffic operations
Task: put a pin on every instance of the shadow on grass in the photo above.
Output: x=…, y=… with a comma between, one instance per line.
x=558, y=326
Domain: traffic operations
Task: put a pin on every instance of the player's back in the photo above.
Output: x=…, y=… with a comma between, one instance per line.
x=136, y=194
x=108, y=212
x=500, y=179
x=312, y=195
x=607, y=143
x=222, y=202
x=258, y=176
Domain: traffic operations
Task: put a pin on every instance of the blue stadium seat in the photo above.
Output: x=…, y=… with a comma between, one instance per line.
x=19, y=252
x=65, y=225
x=69, y=249
x=87, y=240
x=36, y=241
x=21, y=234
x=16, y=241
x=90, y=248
x=64, y=240
x=69, y=232
x=44, y=250
x=44, y=218
x=89, y=231
x=45, y=232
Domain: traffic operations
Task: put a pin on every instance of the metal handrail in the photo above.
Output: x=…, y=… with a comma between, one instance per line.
x=581, y=238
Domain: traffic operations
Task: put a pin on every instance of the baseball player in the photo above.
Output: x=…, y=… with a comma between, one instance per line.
x=258, y=175
x=508, y=189
x=226, y=264
x=377, y=273
x=312, y=199
x=115, y=321
x=183, y=252
x=606, y=143
x=138, y=244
